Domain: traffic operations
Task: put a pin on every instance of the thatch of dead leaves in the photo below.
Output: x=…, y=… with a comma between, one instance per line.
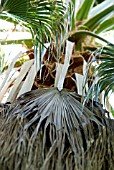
x=47, y=129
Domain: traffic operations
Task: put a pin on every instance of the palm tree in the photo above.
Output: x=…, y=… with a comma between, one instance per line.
x=49, y=128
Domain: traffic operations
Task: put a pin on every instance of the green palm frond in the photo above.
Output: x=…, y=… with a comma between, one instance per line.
x=108, y=24
x=84, y=10
x=89, y=18
x=47, y=129
x=104, y=71
x=43, y=17
x=96, y=20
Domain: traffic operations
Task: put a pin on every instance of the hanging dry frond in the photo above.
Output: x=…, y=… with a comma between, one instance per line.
x=47, y=129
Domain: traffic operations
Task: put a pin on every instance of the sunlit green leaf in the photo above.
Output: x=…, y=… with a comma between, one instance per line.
x=93, y=22
x=107, y=24
x=84, y=10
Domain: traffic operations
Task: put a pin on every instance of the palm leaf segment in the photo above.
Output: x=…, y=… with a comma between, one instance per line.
x=42, y=17
x=46, y=125
x=104, y=71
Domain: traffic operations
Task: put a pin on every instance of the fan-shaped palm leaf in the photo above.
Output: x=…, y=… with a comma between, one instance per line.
x=46, y=129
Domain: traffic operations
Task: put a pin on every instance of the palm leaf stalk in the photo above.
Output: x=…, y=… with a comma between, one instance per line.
x=84, y=33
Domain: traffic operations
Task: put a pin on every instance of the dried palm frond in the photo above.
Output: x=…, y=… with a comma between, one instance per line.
x=47, y=129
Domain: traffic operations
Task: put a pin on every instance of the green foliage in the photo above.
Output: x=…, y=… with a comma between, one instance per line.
x=84, y=10
x=104, y=71
x=93, y=19
x=89, y=21
x=106, y=25
x=112, y=111
x=44, y=18
x=1, y=59
x=97, y=20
